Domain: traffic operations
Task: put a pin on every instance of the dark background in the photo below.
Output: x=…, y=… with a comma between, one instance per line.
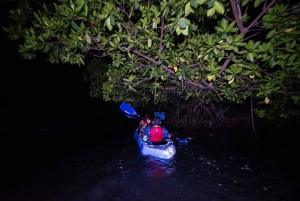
x=46, y=113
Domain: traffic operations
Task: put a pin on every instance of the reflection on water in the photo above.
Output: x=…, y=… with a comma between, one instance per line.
x=119, y=172
x=156, y=168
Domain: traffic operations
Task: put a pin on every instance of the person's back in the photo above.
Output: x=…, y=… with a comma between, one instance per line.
x=156, y=133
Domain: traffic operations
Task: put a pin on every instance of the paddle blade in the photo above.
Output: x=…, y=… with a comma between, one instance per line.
x=128, y=110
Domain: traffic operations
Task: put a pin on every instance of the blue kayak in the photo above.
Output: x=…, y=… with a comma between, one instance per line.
x=165, y=151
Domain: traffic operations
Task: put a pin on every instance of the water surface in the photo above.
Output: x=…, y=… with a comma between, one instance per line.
x=116, y=171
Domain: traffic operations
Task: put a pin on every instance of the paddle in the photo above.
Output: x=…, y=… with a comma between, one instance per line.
x=129, y=111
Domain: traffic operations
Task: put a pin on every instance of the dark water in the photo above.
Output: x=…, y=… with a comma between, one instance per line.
x=71, y=167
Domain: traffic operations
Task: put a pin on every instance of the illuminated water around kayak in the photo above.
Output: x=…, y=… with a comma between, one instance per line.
x=117, y=171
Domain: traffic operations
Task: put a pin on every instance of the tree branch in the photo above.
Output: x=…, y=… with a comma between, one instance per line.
x=236, y=9
x=143, y=80
x=195, y=84
x=226, y=63
x=260, y=15
x=167, y=69
x=252, y=35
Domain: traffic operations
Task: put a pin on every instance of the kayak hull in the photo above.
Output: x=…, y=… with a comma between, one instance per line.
x=166, y=151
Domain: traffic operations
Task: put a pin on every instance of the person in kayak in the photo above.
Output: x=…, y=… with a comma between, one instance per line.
x=144, y=123
x=146, y=120
x=155, y=133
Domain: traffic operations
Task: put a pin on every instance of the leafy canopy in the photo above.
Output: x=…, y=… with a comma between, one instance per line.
x=202, y=51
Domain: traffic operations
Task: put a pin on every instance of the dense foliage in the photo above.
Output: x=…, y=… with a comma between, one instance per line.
x=191, y=54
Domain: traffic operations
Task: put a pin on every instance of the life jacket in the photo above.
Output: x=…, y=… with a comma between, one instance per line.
x=156, y=134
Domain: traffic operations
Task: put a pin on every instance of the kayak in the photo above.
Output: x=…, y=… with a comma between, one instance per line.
x=164, y=151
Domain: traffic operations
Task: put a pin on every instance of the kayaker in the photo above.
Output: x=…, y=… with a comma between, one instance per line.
x=144, y=123
x=155, y=133
x=146, y=120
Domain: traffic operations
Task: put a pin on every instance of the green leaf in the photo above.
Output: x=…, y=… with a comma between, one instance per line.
x=51, y=34
x=149, y=42
x=131, y=77
x=111, y=44
x=244, y=2
x=98, y=38
x=223, y=36
x=256, y=3
x=272, y=62
x=187, y=9
x=230, y=27
x=271, y=34
x=200, y=1
x=101, y=17
x=145, y=72
x=229, y=39
x=72, y=4
x=86, y=10
x=235, y=49
x=81, y=61
x=178, y=30
x=224, y=24
x=79, y=2
x=136, y=5
x=46, y=48
x=238, y=69
x=108, y=24
x=256, y=44
x=41, y=38
x=166, y=13
x=251, y=44
x=182, y=24
x=219, y=59
x=112, y=20
x=219, y=29
x=194, y=4
x=210, y=4
x=185, y=31
x=293, y=57
x=94, y=13
x=154, y=25
x=79, y=6
x=219, y=7
x=186, y=20
x=87, y=38
x=257, y=74
x=74, y=25
x=250, y=57
x=238, y=38
x=271, y=48
x=210, y=12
